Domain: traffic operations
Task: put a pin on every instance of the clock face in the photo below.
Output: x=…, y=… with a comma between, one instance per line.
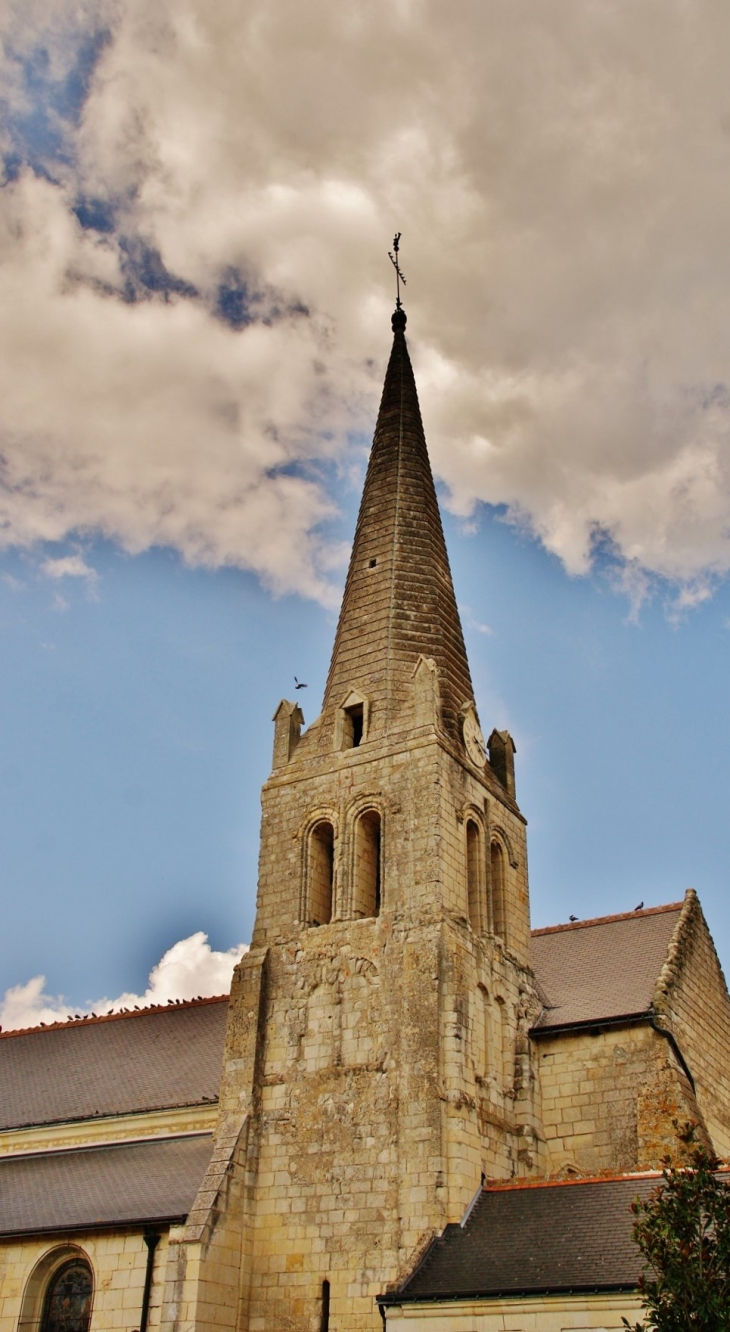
x=474, y=740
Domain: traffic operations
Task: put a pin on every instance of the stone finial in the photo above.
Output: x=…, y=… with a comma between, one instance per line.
x=502, y=752
x=288, y=721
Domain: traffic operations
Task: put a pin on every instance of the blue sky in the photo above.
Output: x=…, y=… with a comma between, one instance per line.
x=195, y=211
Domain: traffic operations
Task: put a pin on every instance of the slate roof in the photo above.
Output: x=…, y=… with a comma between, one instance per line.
x=95, y=1187
x=536, y=1239
x=154, y=1059
x=606, y=968
x=399, y=599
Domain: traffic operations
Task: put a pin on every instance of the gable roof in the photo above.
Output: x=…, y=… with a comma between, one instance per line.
x=535, y=1239
x=94, y=1187
x=151, y=1060
x=598, y=969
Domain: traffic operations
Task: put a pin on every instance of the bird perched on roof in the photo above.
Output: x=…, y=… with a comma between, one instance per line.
x=640, y=907
x=299, y=685
x=573, y=918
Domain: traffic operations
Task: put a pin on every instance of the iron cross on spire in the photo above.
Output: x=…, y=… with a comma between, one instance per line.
x=398, y=275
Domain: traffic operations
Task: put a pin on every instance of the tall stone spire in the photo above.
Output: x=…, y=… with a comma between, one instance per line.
x=399, y=598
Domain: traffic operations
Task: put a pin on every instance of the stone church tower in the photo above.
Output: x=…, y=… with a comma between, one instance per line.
x=377, y=1064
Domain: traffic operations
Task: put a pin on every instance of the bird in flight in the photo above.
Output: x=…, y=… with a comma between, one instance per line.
x=573, y=918
x=640, y=907
x=299, y=685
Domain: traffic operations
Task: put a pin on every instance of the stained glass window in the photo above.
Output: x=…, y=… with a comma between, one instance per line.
x=67, y=1306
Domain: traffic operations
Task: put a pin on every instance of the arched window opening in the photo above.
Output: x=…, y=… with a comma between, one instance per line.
x=496, y=866
x=67, y=1304
x=482, y=1033
x=506, y=1051
x=366, y=885
x=352, y=729
x=474, y=875
x=324, y=1321
x=321, y=873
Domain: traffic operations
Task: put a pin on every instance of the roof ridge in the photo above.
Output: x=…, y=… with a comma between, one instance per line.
x=605, y=920
x=91, y=1019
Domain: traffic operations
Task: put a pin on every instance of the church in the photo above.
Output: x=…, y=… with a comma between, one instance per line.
x=412, y=1108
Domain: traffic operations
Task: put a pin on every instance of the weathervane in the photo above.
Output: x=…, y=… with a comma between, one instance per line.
x=398, y=275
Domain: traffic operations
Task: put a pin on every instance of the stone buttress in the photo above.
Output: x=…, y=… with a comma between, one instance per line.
x=377, y=1063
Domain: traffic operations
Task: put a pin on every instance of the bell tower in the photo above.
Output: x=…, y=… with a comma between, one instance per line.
x=377, y=1044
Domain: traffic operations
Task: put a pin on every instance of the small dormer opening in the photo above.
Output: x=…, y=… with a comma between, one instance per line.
x=353, y=727
x=352, y=722
x=372, y=564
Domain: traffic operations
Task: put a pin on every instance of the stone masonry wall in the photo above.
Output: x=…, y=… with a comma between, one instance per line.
x=609, y=1099
x=549, y=1313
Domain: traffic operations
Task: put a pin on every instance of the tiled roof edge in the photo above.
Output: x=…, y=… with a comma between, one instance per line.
x=91, y=1019
x=77, y=1148
x=627, y=1177
x=514, y=1185
x=606, y=920
x=543, y=1026
x=504, y=1293
x=207, y=1103
x=142, y=1223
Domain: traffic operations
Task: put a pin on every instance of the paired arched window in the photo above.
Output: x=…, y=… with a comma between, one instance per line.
x=366, y=866
x=321, y=872
x=360, y=898
x=485, y=881
x=67, y=1301
x=497, y=886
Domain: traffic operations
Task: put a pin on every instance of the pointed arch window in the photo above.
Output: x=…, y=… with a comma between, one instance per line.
x=320, y=873
x=67, y=1303
x=475, y=876
x=497, y=885
x=367, y=859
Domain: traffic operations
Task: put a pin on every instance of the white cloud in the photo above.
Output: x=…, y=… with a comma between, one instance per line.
x=27, y=1006
x=71, y=566
x=189, y=969
x=68, y=566
x=561, y=179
